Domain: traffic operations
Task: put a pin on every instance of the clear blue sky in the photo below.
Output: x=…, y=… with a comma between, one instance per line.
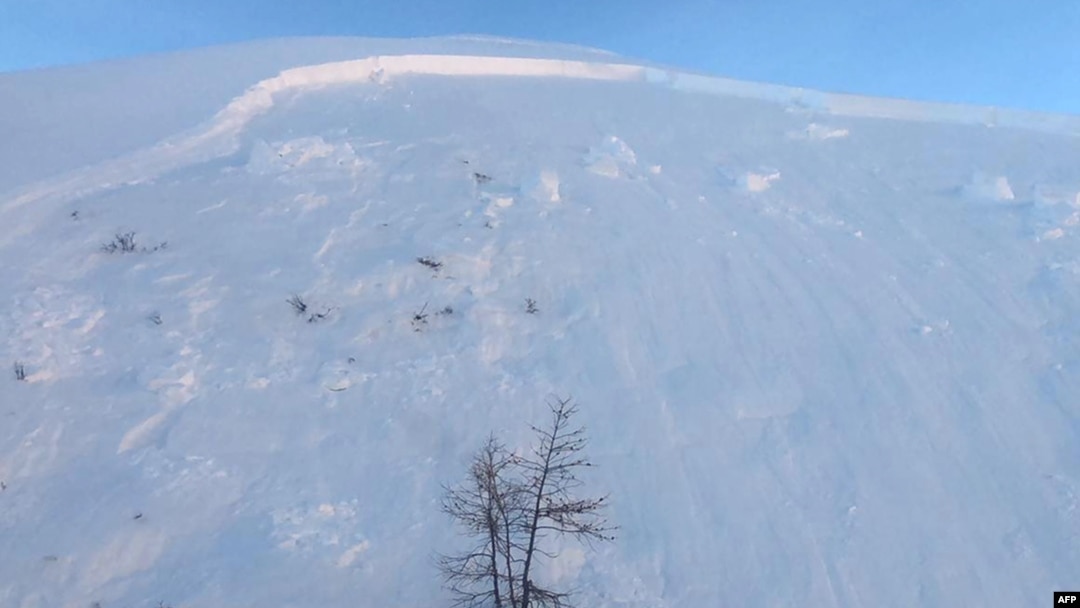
x=1017, y=53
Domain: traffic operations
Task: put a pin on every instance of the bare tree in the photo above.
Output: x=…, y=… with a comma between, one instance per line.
x=510, y=504
x=477, y=507
x=551, y=478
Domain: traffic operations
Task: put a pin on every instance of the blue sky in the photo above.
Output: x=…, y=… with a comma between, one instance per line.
x=1016, y=53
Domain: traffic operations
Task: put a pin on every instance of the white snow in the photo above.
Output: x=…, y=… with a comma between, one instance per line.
x=993, y=188
x=850, y=385
x=758, y=182
x=544, y=187
x=814, y=131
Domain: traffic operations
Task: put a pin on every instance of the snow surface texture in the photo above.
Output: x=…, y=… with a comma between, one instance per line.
x=825, y=345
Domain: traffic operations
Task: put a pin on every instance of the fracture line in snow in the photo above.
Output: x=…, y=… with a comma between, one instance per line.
x=259, y=98
x=218, y=137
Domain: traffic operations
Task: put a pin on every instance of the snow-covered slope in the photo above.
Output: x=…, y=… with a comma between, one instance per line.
x=825, y=345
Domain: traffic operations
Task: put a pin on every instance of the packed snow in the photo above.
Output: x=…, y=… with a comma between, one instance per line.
x=262, y=301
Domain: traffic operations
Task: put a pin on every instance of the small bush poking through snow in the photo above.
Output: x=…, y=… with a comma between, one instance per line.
x=430, y=262
x=124, y=242
x=155, y=318
x=20, y=371
x=301, y=308
x=530, y=306
x=319, y=316
x=419, y=318
x=298, y=304
x=481, y=178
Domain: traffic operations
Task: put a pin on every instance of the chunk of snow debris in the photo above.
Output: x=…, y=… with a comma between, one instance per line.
x=611, y=157
x=758, y=182
x=349, y=557
x=319, y=158
x=987, y=187
x=1053, y=234
x=543, y=187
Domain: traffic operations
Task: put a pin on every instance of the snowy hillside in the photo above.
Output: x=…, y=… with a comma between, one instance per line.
x=825, y=346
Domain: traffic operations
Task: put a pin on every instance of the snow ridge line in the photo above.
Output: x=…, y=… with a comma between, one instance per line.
x=218, y=137
x=260, y=98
